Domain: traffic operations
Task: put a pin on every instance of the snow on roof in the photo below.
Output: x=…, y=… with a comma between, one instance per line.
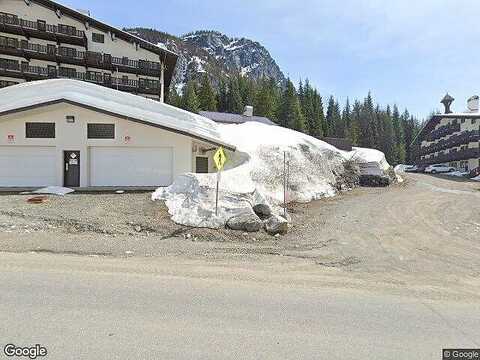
x=38, y=93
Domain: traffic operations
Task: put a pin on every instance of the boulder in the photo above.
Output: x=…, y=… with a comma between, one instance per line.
x=245, y=222
x=262, y=210
x=276, y=225
x=374, y=180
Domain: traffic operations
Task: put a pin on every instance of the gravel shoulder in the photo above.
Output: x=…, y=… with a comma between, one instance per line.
x=423, y=234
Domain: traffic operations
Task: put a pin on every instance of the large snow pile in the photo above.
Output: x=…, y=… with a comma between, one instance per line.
x=254, y=174
x=372, y=162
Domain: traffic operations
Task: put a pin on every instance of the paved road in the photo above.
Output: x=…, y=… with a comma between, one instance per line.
x=95, y=308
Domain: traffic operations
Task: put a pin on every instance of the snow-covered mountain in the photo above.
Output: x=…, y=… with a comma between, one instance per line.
x=214, y=53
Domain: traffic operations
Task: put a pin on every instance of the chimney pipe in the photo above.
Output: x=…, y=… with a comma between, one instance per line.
x=248, y=111
x=473, y=104
x=447, y=102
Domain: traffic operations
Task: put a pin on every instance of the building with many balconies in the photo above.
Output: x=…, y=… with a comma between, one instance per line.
x=41, y=39
x=452, y=138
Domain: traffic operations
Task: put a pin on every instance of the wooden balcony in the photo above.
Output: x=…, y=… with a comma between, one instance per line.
x=470, y=153
x=66, y=55
x=39, y=29
x=27, y=72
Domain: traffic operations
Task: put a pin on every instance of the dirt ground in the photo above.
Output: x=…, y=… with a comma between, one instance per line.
x=422, y=233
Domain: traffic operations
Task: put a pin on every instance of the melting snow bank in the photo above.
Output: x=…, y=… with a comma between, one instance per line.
x=254, y=176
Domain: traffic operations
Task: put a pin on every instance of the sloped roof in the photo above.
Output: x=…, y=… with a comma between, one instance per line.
x=131, y=107
x=228, y=118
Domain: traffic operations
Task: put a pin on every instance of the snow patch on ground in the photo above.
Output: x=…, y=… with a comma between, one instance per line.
x=54, y=190
x=458, y=173
x=254, y=175
x=476, y=178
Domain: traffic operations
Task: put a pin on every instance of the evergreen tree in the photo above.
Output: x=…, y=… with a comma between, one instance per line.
x=222, y=96
x=190, y=100
x=331, y=117
x=399, y=151
x=234, y=98
x=173, y=98
x=367, y=123
x=291, y=113
x=339, y=130
x=318, y=123
x=265, y=103
x=206, y=95
x=347, y=117
x=306, y=97
x=354, y=130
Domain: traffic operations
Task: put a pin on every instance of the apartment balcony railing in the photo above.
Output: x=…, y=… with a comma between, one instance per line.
x=443, y=131
x=125, y=84
x=8, y=19
x=88, y=58
x=470, y=153
x=455, y=140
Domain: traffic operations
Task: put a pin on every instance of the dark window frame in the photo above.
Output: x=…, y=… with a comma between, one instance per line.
x=98, y=38
x=40, y=130
x=101, y=131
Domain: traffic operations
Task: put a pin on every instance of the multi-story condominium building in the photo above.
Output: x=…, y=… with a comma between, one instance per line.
x=452, y=138
x=41, y=39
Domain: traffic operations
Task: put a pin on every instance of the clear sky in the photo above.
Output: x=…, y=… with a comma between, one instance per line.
x=408, y=52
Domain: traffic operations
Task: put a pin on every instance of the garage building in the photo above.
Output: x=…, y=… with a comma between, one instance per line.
x=75, y=134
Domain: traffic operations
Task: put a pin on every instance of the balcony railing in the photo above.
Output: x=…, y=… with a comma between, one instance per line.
x=35, y=70
x=8, y=19
x=443, y=131
x=95, y=59
x=455, y=140
x=134, y=85
x=470, y=153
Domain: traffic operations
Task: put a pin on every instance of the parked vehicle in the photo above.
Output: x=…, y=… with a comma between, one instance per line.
x=411, y=168
x=421, y=168
x=439, y=168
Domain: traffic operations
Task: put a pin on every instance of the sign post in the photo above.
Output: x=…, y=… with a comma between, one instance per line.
x=220, y=159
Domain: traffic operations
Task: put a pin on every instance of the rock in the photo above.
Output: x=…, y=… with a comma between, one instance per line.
x=276, y=225
x=374, y=180
x=262, y=210
x=245, y=222
x=138, y=228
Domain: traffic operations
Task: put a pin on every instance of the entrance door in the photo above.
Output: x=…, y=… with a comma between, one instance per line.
x=71, y=177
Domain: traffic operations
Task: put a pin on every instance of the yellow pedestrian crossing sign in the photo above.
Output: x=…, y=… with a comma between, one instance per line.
x=220, y=158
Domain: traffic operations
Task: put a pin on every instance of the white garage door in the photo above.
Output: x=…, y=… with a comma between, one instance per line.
x=125, y=166
x=23, y=166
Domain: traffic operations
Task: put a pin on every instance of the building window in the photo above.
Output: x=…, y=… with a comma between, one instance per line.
x=67, y=29
x=39, y=130
x=101, y=131
x=41, y=25
x=98, y=38
x=474, y=121
x=201, y=165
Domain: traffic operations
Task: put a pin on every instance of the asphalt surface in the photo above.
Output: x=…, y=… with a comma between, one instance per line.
x=95, y=308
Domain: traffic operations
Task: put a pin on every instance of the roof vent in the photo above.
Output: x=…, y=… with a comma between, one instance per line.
x=447, y=102
x=473, y=104
x=248, y=111
x=84, y=12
